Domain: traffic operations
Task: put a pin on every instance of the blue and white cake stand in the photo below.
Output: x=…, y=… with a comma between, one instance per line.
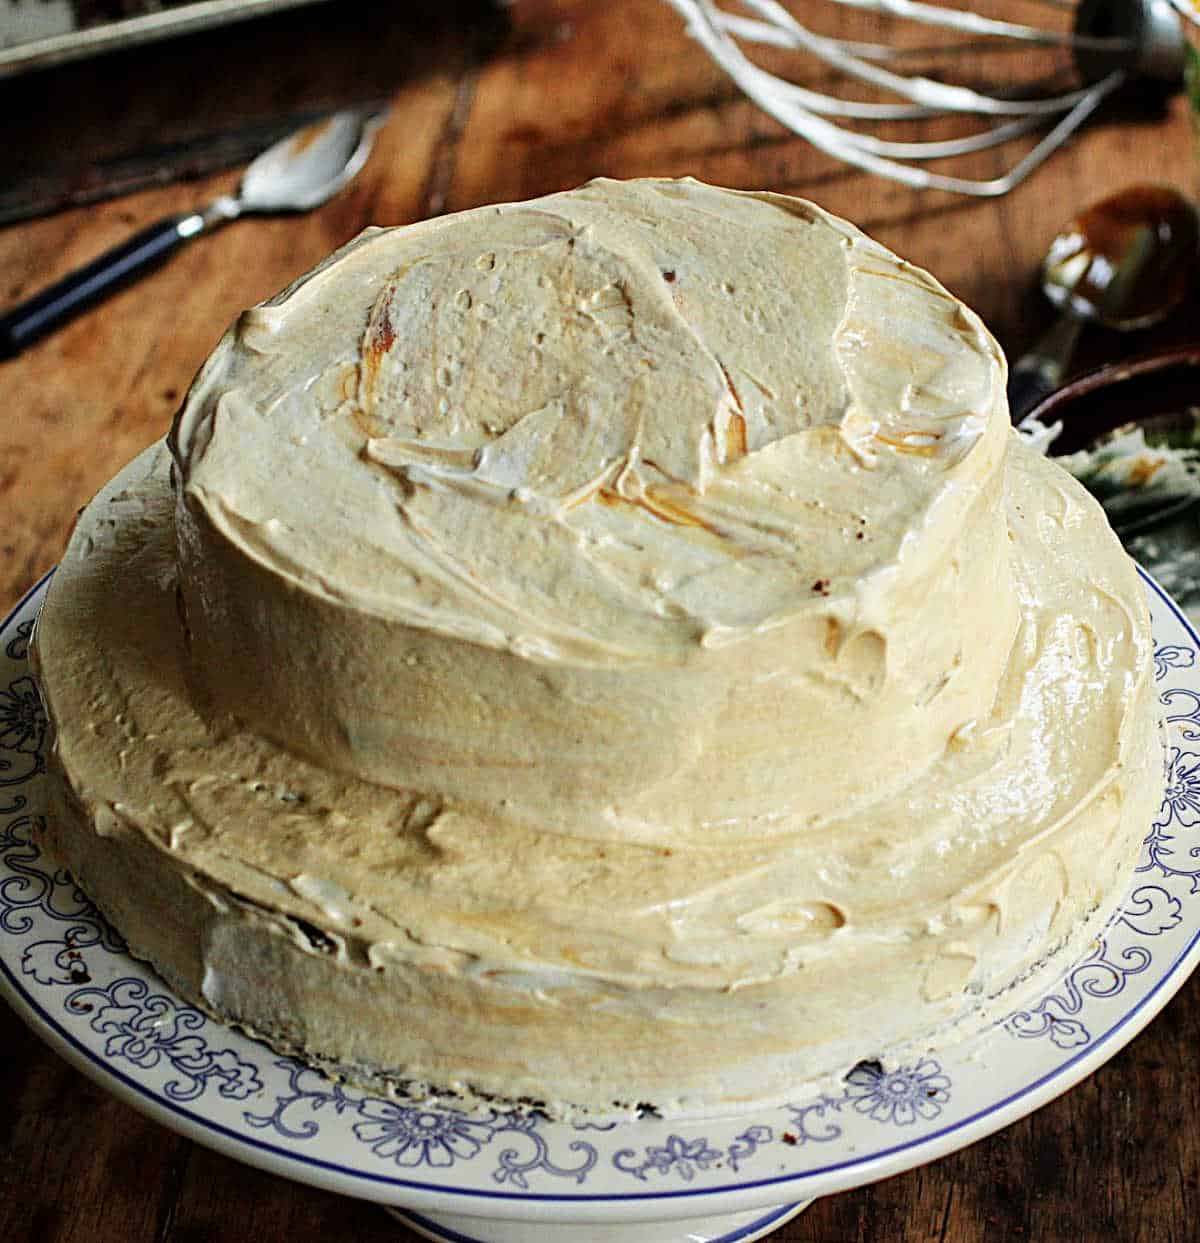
x=507, y=1177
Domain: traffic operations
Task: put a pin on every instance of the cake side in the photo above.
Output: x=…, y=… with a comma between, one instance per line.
x=390, y=935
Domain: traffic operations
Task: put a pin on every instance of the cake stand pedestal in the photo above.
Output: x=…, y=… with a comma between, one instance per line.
x=725, y=1228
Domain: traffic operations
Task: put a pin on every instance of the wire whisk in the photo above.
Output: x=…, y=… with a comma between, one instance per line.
x=1111, y=43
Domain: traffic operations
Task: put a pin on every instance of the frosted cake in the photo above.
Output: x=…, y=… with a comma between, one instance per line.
x=606, y=650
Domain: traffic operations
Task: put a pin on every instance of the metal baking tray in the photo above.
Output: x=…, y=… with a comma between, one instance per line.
x=36, y=33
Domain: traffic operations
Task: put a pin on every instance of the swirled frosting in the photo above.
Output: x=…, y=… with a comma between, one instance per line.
x=604, y=650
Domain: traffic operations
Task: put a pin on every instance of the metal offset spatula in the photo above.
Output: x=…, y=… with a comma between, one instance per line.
x=299, y=173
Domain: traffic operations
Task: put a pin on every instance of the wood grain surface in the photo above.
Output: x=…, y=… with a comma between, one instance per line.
x=566, y=90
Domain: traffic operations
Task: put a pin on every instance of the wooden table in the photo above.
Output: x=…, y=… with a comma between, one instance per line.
x=572, y=89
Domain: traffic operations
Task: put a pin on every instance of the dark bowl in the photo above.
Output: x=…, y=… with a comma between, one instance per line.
x=1152, y=387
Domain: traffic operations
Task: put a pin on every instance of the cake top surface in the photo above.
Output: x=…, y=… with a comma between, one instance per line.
x=609, y=424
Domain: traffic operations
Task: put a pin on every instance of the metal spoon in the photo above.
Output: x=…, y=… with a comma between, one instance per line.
x=299, y=173
x=1126, y=262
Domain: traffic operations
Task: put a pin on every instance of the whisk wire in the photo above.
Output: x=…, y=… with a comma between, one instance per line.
x=938, y=95
x=804, y=111
x=973, y=23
